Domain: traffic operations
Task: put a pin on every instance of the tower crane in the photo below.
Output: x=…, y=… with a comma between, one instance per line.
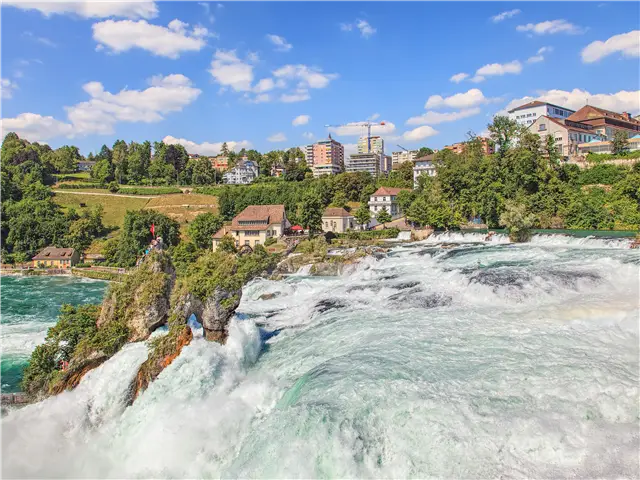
x=406, y=150
x=361, y=124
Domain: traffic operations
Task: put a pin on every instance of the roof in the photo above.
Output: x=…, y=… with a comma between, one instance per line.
x=425, y=158
x=297, y=228
x=589, y=112
x=388, y=191
x=557, y=121
x=53, y=253
x=336, y=212
x=222, y=232
x=537, y=103
x=267, y=214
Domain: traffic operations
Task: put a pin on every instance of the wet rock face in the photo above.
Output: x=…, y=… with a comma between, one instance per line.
x=218, y=310
x=76, y=370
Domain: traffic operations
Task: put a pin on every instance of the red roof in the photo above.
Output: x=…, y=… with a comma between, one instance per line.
x=336, y=212
x=258, y=217
x=388, y=191
x=297, y=228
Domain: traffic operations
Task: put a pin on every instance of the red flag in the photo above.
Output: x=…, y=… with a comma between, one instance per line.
x=153, y=230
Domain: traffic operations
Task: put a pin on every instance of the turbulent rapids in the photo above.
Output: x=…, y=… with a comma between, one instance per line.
x=476, y=360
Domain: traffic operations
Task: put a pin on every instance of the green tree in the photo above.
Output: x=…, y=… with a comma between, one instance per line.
x=552, y=151
x=102, y=171
x=503, y=131
x=339, y=200
x=518, y=221
x=383, y=216
x=183, y=255
x=620, y=143
x=202, y=228
x=424, y=151
x=310, y=212
x=363, y=215
x=225, y=149
x=227, y=244
x=405, y=198
x=66, y=159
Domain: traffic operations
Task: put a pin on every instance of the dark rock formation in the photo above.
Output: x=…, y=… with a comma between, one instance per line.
x=77, y=369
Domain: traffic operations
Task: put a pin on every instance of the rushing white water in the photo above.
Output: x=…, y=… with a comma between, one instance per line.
x=479, y=361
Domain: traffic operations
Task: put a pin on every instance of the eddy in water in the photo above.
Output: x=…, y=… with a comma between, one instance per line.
x=419, y=364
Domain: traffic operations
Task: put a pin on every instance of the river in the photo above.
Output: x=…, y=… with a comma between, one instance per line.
x=485, y=360
x=29, y=306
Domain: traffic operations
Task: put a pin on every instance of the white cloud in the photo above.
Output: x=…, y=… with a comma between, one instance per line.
x=308, y=135
x=171, y=41
x=90, y=9
x=468, y=99
x=301, y=120
x=434, y=118
x=297, y=96
x=539, y=57
x=365, y=28
x=36, y=128
x=419, y=133
x=262, y=98
x=477, y=79
x=356, y=129
x=7, y=88
x=622, y=101
x=277, y=137
x=307, y=77
x=229, y=71
x=207, y=11
x=264, y=85
x=42, y=40
x=550, y=27
x=628, y=44
x=492, y=69
x=504, y=15
x=205, y=148
x=280, y=43
x=458, y=77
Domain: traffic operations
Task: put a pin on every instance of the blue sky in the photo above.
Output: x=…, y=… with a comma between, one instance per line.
x=200, y=74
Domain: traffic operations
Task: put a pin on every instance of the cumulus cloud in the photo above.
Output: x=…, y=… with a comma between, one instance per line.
x=498, y=69
x=504, y=15
x=550, y=27
x=89, y=9
x=419, y=133
x=229, y=71
x=622, y=101
x=365, y=28
x=458, y=77
x=277, y=137
x=307, y=77
x=7, y=88
x=301, y=120
x=206, y=148
x=299, y=95
x=539, y=57
x=36, y=128
x=471, y=98
x=356, y=129
x=280, y=43
x=170, y=41
x=628, y=44
x=434, y=118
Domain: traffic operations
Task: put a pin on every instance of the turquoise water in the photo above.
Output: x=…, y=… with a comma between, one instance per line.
x=30, y=305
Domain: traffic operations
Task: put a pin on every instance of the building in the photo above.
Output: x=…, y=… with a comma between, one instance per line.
x=423, y=166
x=85, y=165
x=488, y=146
x=254, y=225
x=385, y=197
x=374, y=163
x=219, y=162
x=337, y=220
x=278, y=170
x=371, y=145
x=325, y=152
x=596, y=146
x=567, y=135
x=529, y=112
x=242, y=174
x=193, y=155
x=404, y=156
x=56, y=258
x=606, y=123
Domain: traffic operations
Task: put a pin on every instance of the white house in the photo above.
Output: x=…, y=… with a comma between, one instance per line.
x=529, y=112
x=423, y=166
x=243, y=173
x=385, y=197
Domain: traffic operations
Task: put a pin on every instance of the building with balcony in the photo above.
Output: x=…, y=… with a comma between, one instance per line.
x=254, y=225
x=243, y=173
x=423, y=166
x=219, y=162
x=325, y=157
x=385, y=197
x=529, y=112
x=374, y=163
x=404, y=156
x=371, y=145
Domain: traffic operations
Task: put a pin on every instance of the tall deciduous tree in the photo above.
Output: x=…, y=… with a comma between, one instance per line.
x=363, y=215
x=383, y=216
x=66, y=159
x=202, y=228
x=620, y=143
x=310, y=212
x=504, y=132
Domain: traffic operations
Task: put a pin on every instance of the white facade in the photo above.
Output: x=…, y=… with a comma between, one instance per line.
x=423, y=166
x=566, y=137
x=377, y=145
x=404, y=156
x=528, y=113
x=385, y=198
x=374, y=163
x=242, y=174
x=326, y=169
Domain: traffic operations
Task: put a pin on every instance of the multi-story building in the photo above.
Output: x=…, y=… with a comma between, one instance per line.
x=596, y=146
x=278, y=170
x=529, y=112
x=374, y=163
x=386, y=197
x=243, y=173
x=325, y=157
x=371, y=145
x=254, y=225
x=404, y=156
x=56, y=258
x=219, y=162
x=337, y=220
x=487, y=144
x=423, y=166
x=567, y=135
x=606, y=123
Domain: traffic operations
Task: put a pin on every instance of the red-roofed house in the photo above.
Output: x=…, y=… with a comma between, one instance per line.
x=385, y=197
x=567, y=134
x=254, y=225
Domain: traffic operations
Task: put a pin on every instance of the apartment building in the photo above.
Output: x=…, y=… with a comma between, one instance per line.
x=371, y=145
x=254, y=225
x=529, y=112
x=385, y=197
x=243, y=173
x=325, y=157
x=219, y=162
x=488, y=146
x=404, y=156
x=605, y=122
x=423, y=166
x=567, y=135
x=374, y=163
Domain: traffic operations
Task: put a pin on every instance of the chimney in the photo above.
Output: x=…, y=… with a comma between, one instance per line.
x=626, y=116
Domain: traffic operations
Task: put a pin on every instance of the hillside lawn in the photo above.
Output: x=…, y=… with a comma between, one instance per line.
x=114, y=207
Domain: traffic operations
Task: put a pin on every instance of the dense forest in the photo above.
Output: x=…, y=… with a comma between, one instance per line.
x=524, y=175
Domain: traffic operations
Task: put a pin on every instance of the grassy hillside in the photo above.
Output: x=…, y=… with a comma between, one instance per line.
x=114, y=207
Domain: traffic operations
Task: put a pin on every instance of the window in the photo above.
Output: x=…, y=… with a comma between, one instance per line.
x=542, y=127
x=246, y=242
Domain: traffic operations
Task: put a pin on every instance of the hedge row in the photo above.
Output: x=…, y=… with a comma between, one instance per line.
x=78, y=186
x=370, y=234
x=148, y=191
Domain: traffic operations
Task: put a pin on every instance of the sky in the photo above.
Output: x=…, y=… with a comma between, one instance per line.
x=272, y=75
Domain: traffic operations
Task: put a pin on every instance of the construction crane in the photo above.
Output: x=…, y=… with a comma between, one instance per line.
x=406, y=150
x=361, y=124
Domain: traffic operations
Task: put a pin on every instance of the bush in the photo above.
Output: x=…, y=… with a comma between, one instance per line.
x=148, y=191
x=113, y=187
x=370, y=234
x=78, y=186
x=270, y=241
